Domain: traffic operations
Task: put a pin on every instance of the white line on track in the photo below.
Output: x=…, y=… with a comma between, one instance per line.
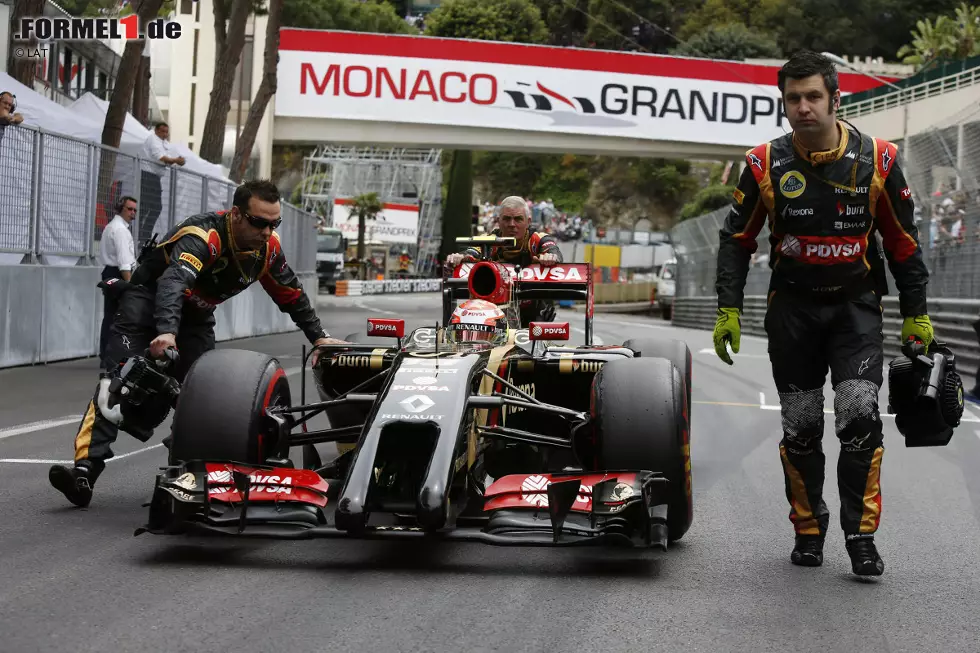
x=373, y=309
x=36, y=461
x=46, y=424
x=596, y=339
x=42, y=425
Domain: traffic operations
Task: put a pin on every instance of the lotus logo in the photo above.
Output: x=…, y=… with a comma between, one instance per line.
x=417, y=403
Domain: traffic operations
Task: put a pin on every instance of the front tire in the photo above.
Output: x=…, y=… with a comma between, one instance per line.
x=638, y=408
x=676, y=351
x=221, y=410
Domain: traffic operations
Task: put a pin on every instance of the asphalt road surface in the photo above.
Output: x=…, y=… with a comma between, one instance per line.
x=77, y=580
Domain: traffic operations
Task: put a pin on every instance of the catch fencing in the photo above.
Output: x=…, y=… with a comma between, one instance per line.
x=57, y=194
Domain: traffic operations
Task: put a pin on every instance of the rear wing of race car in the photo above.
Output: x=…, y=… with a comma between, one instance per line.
x=562, y=281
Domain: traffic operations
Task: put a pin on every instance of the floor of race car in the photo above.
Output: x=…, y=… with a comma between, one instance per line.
x=78, y=580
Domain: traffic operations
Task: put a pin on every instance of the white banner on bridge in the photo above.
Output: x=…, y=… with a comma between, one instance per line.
x=397, y=223
x=411, y=79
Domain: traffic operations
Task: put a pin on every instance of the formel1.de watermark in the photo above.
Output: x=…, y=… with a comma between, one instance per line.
x=34, y=34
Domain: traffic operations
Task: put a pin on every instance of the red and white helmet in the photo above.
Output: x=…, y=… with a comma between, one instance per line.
x=477, y=320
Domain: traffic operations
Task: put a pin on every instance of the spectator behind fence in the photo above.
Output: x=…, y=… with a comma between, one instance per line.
x=118, y=255
x=7, y=115
x=155, y=148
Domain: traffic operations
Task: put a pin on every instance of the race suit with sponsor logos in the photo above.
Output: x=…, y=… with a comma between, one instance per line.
x=534, y=244
x=175, y=289
x=196, y=267
x=824, y=304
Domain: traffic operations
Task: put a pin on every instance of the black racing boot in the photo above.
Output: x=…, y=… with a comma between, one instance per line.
x=865, y=560
x=808, y=551
x=74, y=482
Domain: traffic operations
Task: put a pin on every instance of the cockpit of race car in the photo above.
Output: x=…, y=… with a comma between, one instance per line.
x=470, y=429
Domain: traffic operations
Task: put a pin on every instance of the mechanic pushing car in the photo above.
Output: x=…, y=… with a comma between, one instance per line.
x=514, y=220
x=825, y=189
x=170, y=300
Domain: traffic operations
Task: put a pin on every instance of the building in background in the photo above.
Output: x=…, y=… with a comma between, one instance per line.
x=182, y=73
x=68, y=70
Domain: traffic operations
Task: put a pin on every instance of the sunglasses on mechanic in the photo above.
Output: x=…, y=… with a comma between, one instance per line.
x=260, y=223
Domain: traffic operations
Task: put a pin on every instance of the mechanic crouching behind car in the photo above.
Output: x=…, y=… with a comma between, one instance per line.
x=513, y=221
x=825, y=189
x=170, y=300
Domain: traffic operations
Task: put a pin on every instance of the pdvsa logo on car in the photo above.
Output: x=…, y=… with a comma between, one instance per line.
x=44, y=28
x=422, y=388
x=552, y=331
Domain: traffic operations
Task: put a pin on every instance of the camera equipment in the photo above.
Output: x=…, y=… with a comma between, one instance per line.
x=138, y=395
x=925, y=393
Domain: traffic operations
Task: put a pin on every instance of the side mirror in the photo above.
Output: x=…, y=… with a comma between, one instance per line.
x=548, y=330
x=380, y=327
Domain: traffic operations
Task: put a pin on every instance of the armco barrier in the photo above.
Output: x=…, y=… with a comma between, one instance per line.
x=952, y=320
x=54, y=313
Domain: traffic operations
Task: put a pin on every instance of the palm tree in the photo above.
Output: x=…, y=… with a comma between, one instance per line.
x=365, y=207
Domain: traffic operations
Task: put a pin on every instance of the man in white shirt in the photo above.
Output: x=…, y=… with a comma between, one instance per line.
x=117, y=253
x=156, y=150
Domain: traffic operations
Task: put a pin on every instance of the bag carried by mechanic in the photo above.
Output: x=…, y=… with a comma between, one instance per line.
x=138, y=395
x=925, y=394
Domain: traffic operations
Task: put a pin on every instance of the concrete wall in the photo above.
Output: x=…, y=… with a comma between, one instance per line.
x=50, y=313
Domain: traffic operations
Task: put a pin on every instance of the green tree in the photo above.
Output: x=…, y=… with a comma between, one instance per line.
x=350, y=15
x=707, y=200
x=733, y=41
x=364, y=207
x=951, y=37
x=517, y=21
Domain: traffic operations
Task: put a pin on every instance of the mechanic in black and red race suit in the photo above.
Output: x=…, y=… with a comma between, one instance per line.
x=513, y=221
x=170, y=301
x=825, y=190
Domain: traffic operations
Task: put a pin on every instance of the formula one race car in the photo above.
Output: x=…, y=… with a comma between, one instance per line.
x=475, y=430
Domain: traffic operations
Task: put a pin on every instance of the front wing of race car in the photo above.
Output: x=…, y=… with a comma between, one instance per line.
x=616, y=508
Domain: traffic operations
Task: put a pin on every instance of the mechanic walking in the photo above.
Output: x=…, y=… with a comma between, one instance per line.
x=825, y=189
x=513, y=219
x=169, y=302
x=117, y=253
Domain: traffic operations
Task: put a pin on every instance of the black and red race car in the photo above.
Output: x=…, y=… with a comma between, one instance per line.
x=525, y=441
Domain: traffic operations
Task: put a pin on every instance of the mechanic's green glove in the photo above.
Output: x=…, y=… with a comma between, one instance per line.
x=918, y=327
x=728, y=329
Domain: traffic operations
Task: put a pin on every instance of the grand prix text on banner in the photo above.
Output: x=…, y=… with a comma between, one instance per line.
x=397, y=223
x=414, y=79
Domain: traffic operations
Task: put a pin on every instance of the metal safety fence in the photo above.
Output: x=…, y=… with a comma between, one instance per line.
x=58, y=193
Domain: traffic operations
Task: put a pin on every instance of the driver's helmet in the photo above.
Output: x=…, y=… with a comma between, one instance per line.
x=477, y=320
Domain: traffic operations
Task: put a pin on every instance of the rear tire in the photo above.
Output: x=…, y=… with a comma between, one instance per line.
x=638, y=411
x=220, y=413
x=676, y=351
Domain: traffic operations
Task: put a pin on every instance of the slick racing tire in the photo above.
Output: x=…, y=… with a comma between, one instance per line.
x=676, y=351
x=220, y=412
x=638, y=410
